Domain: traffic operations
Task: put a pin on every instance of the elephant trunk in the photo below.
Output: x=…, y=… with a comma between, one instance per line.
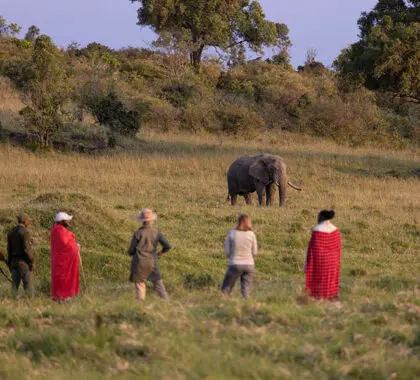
x=282, y=192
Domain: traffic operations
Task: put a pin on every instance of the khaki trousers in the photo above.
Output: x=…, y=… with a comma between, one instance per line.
x=157, y=285
x=22, y=273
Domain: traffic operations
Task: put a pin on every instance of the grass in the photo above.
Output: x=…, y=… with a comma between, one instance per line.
x=278, y=333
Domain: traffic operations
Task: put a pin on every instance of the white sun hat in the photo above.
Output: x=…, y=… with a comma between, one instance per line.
x=146, y=215
x=63, y=216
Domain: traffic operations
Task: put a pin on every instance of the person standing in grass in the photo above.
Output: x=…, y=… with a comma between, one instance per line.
x=241, y=249
x=322, y=264
x=65, y=260
x=143, y=249
x=20, y=258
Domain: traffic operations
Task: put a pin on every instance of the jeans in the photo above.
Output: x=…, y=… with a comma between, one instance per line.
x=245, y=273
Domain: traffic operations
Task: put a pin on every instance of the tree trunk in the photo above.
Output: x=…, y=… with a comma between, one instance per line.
x=195, y=58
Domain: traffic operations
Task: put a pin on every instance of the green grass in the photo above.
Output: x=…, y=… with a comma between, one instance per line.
x=372, y=333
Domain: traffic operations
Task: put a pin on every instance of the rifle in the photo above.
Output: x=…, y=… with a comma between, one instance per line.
x=2, y=258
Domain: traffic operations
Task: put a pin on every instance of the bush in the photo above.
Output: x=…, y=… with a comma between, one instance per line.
x=162, y=116
x=179, y=94
x=239, y=121
x=109, y=110
x=200, y=281
x=198, y=117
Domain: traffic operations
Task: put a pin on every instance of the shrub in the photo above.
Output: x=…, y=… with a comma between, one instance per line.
x=162, y=116
x=109, y=110
x=179, y=94
x=198, y=117
x=200, y=281
x=239, y=121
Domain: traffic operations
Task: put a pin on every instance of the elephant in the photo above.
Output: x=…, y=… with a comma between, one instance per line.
x=258, y=173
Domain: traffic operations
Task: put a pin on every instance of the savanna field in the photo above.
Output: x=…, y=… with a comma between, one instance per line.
x=372, y=333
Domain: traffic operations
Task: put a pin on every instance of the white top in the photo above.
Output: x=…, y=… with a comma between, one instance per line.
x=241, y=247
x=325, y=226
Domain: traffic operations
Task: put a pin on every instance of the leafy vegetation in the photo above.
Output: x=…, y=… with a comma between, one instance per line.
x=194, y=26
x=387, y=56
x=372, y=99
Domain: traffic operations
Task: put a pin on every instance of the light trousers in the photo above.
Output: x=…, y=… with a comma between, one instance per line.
x=158, y=286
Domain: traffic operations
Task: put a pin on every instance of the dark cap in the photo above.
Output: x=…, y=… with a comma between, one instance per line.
x=22, y=218
x=325, y=215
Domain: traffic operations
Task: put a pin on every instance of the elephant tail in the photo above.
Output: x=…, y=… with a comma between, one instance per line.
x=294, y=186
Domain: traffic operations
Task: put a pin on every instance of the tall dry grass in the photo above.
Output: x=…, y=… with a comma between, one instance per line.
x=278, y=333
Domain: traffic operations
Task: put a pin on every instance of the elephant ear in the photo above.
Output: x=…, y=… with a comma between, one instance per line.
x=259, y=171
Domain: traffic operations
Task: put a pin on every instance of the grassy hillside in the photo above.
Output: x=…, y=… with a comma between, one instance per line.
x=372, y=333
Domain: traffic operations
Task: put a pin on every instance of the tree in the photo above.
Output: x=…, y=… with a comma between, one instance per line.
x=32, y=33
x=47, y=90
x=387, y=56
x=221, y=24
x=8, y=30
x=311, y=54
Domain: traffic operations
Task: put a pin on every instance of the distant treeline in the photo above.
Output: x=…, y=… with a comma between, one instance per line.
x=96, y=93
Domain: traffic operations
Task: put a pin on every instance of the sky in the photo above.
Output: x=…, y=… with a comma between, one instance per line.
x=325, y=25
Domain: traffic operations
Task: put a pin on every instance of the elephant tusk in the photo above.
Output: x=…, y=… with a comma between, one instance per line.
x=294, y=186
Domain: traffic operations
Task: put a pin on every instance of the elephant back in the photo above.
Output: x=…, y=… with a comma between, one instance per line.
x=238, y=178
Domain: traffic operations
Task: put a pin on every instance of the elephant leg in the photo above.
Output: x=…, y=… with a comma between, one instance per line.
x=268, y=195
x=270, y=190
x=247, y=197
x=261, y=192
x=233, y=198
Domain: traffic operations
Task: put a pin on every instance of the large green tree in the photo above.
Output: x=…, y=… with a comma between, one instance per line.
x=387, y=56
x=196, y=25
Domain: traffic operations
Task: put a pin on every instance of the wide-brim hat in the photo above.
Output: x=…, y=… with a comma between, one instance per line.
x=63, y=216
x=146, y=215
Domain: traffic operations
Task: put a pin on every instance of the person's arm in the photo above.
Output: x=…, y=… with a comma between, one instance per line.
x=254, y=245
x=227, y=245
x=27, y=245
x=133, y=245
x=27, y=248
x=166, y=246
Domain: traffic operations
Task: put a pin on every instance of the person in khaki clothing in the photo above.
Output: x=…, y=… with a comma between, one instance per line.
x=20, y=258
x=143, y=249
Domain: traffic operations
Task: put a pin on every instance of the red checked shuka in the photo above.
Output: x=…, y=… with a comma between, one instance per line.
x=323, y=264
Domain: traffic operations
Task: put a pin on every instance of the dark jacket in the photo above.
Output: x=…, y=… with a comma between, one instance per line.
x=144, y=264
x=19, y=246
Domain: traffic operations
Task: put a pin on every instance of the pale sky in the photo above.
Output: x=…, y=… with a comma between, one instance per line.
x=326, y=25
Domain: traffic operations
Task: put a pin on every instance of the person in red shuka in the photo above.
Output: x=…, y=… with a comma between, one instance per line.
x=64, y=260
x=322, y=265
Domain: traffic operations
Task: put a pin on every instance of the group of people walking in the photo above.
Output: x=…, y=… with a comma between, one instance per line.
x=322, y=263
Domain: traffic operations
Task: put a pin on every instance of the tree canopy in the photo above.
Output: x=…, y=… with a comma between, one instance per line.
x=387, y=57
x=194, y=25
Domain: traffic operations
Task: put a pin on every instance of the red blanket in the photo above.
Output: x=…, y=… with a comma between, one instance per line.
x=64, y=263
x=323, y=264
